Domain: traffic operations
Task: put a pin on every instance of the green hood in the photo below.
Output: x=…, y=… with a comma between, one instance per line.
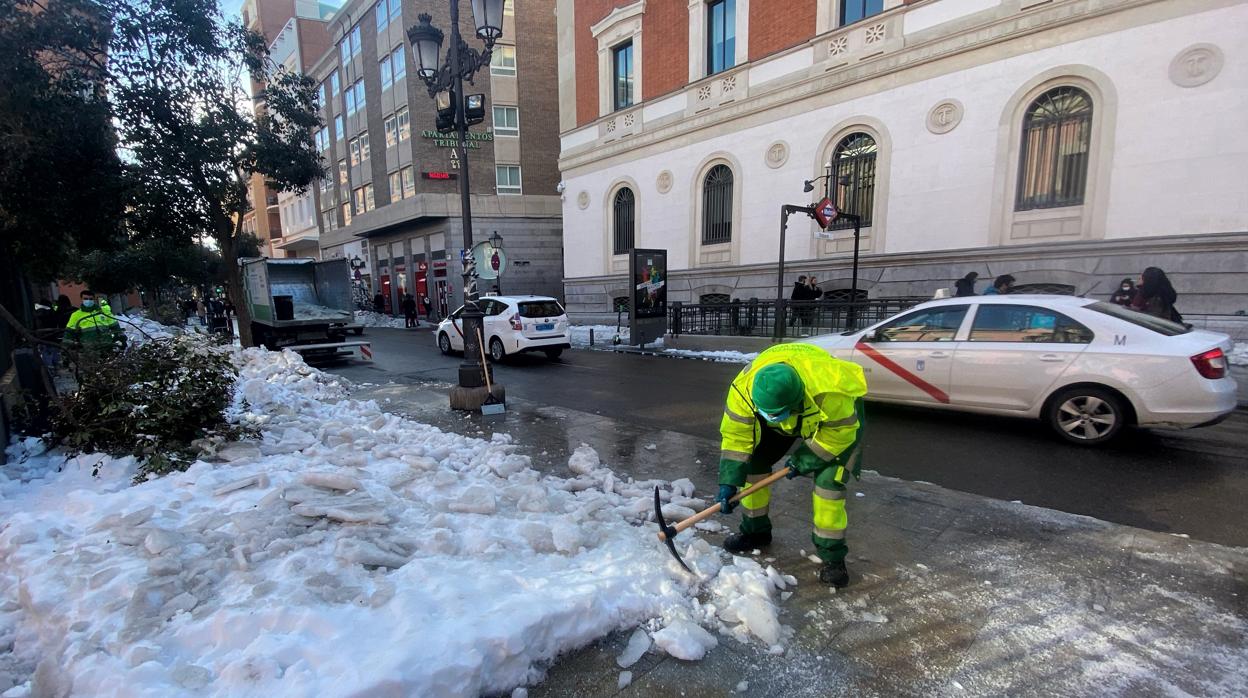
x=776, y=387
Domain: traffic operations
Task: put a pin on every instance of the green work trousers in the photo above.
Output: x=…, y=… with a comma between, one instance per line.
x=827, y=501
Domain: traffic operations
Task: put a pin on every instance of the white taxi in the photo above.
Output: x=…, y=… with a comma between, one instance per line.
x=1085, y=367
x=513, y=324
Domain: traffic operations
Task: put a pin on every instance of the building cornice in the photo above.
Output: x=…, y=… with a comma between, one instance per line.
x=1156, y=246
x=818, y=89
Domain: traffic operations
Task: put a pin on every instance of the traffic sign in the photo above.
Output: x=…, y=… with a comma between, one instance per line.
x=825, y=212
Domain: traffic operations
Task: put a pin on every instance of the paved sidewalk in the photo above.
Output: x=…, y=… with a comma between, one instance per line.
x=951, y=594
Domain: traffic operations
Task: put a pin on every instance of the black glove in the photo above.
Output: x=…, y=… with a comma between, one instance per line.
x=726, y=493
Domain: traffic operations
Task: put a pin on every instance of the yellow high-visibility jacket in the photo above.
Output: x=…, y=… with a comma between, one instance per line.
x=828, y=422
x=94, y=328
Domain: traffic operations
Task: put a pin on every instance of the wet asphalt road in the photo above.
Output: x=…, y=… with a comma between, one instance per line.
x=1193, y=482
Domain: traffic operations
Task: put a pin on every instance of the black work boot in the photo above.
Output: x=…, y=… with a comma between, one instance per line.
x=834, y=573
x=745, y=542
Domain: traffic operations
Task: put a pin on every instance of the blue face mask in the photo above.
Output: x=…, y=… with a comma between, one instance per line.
x=775, y=417
x=88, y=304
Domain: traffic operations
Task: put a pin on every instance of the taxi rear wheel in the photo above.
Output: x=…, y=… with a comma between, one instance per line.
x=1087, y=415
x=444, y=343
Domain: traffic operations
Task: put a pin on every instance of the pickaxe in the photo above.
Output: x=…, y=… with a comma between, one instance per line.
x=667, y=533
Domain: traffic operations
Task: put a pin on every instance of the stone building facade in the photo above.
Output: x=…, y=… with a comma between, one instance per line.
x=1070, y=143
x=391, y=203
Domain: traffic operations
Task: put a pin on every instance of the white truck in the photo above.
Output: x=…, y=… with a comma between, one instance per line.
x=303, y=305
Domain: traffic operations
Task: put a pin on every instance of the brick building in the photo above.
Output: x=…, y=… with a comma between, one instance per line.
x=391, y=203
x=297, y=32
x=1070, y=143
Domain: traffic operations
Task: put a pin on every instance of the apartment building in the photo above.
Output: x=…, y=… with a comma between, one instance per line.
x=1070, y=143
x=297, y=32
x=391, y=203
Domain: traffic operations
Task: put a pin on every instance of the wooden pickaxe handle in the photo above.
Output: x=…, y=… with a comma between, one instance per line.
x=714, y=508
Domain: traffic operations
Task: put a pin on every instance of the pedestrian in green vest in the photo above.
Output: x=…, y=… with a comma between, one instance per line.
x=92, y=327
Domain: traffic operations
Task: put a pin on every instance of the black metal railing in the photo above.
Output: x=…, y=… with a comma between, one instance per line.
x=757, y=318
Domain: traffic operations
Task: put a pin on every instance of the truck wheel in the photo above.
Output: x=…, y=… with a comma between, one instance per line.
x=444, y=343
x=553, y=354
x=497, y=352
x=1086, y=415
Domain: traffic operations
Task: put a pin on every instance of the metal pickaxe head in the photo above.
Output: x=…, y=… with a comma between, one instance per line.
x=667, y=534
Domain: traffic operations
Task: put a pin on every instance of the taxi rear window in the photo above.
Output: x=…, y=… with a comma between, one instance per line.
x=532, y=309
x=1148, y=322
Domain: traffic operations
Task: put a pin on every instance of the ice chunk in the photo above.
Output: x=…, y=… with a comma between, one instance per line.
x=567, y=536
x=260, y=480
x=743, y=686
x=684, y=639
x=520, y=692
x=584, y=460
x=477, y=499
x=652, y=447
x=759, y=616
x=683, y=487
x=626, y=677
x=356, y=550
x=638, y=643
x=332, y=481
x=159, y=541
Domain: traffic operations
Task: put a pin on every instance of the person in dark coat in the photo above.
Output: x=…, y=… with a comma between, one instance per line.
x=379, y=303
x=1125, y=293
x=798, y=294
x=409, y=311
x=1156, y=296
x=428, y=306
x=965, y=286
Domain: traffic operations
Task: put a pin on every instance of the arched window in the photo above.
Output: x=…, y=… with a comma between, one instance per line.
x=714, y=299
x=853, y=166
x=623, y=216
x=717, y=206
x=619, y=304
x=844, y=295
x=1053, y=165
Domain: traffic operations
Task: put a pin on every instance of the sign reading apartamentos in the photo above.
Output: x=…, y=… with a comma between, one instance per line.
x=447, y=140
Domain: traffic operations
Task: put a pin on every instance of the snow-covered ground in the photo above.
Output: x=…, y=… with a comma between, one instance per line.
x=722, y=357
x=1239, y=355
x=140, y=329
x=369, y=318
x=602, y=336
x=347, y=551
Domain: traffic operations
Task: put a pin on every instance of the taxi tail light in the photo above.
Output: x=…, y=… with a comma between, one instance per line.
x=516, y=324
x=1210, y=364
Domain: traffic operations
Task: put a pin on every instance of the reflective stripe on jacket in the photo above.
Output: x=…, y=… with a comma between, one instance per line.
x=93, y=327
x=827, y=423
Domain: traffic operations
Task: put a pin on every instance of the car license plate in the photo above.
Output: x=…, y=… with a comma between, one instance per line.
x=545, y=326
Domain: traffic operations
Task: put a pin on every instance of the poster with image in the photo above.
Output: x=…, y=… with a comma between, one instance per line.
x=649, y=274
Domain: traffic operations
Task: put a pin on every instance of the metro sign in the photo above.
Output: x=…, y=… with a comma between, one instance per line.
x=825, y=212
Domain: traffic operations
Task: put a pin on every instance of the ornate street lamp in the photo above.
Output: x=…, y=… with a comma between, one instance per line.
x=445, y=83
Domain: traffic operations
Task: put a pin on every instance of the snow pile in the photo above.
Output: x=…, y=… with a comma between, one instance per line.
x=1239, y=355
x=346, y=552
x=603, y=334
x=369, y=318
x=721, y=357
x=139, y=329
x=314, y=311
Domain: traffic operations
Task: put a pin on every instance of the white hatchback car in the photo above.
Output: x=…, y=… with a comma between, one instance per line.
x=1085, y=367
x=513, y=324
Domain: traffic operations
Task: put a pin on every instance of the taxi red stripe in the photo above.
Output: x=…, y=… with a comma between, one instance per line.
x=936, y=393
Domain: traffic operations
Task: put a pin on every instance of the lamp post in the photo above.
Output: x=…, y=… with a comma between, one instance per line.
x=445, y=83
x=496, y=242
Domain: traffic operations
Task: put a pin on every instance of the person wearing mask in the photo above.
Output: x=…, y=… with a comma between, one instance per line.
x=965, y=286
x=92, y=328
x=1156, y=296
x=1000, y=286
x=1125, y=293
x=793, y=394
x=409, y=311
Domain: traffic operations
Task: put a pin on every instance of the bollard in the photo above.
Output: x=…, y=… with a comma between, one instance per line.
x=591, y=336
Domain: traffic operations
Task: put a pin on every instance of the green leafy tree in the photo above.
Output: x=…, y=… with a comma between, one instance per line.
x=176, y=71
x=62, y=184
